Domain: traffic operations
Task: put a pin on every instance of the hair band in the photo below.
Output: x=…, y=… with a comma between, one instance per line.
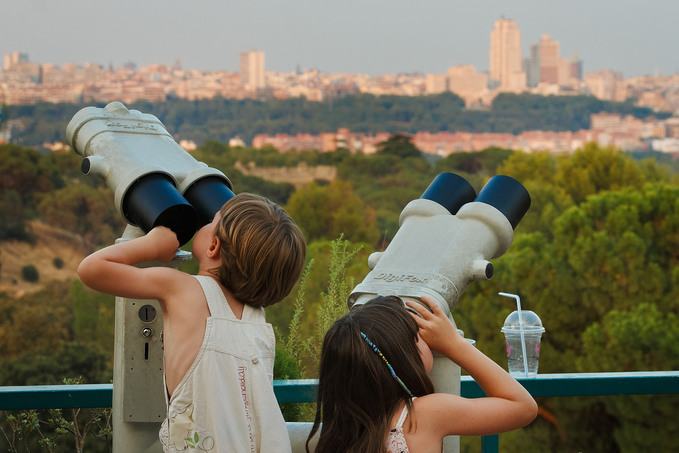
x=391, y=369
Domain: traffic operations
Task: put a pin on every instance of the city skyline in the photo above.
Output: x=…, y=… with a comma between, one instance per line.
x=376, y=37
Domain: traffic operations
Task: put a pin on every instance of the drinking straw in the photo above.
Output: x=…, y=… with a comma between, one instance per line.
x=523, y=339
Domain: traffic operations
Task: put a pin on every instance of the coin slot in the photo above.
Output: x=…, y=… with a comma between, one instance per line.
x=147, y=313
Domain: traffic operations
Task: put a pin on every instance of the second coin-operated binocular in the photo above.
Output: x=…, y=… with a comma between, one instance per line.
x=445, y=240
x=154, y=180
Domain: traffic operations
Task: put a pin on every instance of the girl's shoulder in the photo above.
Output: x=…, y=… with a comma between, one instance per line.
x=436, y=399
x=431, y=409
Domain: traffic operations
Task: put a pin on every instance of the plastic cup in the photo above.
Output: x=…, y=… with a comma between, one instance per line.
x=523, y=332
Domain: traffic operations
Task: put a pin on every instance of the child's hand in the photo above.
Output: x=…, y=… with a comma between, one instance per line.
x=435, y=327
x=165, y=241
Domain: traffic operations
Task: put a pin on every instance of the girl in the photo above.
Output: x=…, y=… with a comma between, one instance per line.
x=375, y=396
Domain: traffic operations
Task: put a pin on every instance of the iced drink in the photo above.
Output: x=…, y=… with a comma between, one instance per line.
x=523, y=332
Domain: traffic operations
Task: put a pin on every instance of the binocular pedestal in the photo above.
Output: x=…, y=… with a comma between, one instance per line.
x=138, y=400
x=139, y=406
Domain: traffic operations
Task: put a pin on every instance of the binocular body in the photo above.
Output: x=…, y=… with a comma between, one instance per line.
x=154, y=180
x=445, y=239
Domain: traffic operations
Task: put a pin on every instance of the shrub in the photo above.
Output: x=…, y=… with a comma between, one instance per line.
x=30, y=273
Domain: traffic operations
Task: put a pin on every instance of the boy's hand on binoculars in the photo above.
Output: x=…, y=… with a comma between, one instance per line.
x=435, y=327
x=165, y=242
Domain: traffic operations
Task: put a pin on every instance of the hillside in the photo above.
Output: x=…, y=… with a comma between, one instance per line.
x=50, y=243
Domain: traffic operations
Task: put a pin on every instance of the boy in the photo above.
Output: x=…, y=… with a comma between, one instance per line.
x=218, y=349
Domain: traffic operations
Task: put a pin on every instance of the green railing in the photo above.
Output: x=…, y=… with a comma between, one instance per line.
x=304, y=391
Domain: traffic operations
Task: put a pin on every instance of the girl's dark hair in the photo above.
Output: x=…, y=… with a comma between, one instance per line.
x=357, y=395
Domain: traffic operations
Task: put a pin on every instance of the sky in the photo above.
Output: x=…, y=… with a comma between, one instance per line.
x=375, y=37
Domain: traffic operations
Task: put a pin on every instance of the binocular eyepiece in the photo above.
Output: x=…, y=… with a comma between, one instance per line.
x=154, y=180
x=504, y=193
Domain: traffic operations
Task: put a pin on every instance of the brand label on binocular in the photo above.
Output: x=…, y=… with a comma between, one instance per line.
x=389, y=277
x=138, y=125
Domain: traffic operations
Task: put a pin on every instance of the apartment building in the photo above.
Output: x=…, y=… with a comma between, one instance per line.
x=545, y=65
x=506, y=64
x=252, y=73
x=468, y=84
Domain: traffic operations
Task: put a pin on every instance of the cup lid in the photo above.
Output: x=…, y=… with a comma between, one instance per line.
x=530, y=321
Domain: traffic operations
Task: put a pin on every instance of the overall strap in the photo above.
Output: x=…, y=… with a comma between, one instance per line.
x=216, y=300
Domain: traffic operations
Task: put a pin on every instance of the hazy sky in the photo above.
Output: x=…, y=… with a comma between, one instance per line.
x=352, y=36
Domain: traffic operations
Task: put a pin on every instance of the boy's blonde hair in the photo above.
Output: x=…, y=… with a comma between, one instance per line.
x=263, y=251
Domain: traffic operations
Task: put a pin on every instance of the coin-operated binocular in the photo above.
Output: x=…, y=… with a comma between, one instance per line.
x=154, y=180
x=445, y=241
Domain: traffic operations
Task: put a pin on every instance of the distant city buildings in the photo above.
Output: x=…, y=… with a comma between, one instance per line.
x=542, y=72
x=627, y=133
x=463, y=81
x=252, y=70
x=15, y=58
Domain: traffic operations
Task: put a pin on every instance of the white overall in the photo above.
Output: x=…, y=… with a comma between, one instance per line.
x=225, y=402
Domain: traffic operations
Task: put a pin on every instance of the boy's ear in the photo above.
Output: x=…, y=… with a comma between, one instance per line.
x=215, y=246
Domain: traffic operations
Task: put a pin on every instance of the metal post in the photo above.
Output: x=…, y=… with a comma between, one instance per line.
x=138, y=400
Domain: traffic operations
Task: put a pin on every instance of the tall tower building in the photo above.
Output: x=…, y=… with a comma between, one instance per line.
x=546, y=66
x=506, y=69
x=548, y=51
x=531, y=66
x=576, y=67
x=252, y=70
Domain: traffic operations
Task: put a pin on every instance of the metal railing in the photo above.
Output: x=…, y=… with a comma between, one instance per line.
x=304, y=391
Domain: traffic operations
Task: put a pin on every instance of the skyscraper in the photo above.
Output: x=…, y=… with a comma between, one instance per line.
x=546, y=66
x=506, y=70
x=548, y=49
x=252, y=70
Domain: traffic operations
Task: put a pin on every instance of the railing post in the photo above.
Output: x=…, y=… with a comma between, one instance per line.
x=490, y=444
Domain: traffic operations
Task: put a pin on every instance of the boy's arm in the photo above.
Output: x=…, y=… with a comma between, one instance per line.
x=113, y=270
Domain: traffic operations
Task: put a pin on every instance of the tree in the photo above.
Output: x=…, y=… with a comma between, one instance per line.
x=641, y=338
x=83, y=210
x=481, y=163
x=326, y=212
x=593, y=169
x=615, y=251
x=12, y=217
x=38, y=320
x=27, y=173
x=52, y=365
x=92, y=317
x=399, y=145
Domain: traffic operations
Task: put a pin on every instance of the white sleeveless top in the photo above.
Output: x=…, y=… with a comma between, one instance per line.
x=225, y=401
x=396, y=441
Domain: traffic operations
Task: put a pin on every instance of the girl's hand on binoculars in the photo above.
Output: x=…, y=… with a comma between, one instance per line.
x=435, y=327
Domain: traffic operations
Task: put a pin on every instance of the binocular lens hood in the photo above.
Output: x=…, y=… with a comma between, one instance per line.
x=508, y=196
x=504, y=193
x=450, y=191
x=207, y=195
x=153, y=200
